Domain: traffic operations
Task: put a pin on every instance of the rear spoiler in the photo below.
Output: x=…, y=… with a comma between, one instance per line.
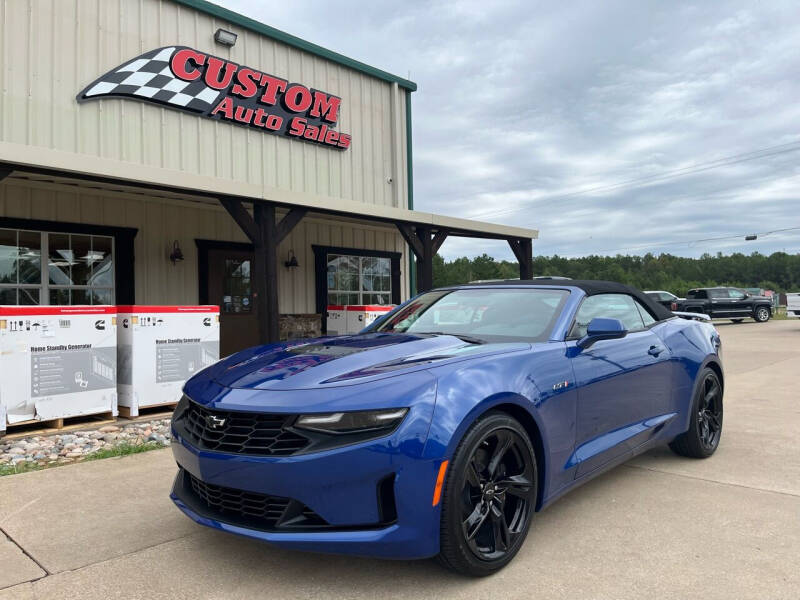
x=691, y=316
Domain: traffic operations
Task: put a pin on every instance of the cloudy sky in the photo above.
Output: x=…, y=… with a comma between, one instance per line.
x=612, y=127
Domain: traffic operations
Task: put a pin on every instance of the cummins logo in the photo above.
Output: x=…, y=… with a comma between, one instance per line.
x=100, y=325
x=207, y=321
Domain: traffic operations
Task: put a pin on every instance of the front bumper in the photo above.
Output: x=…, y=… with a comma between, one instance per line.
x=346, y=487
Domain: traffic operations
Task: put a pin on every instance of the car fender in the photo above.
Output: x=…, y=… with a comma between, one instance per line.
x=444, y=436
x=694, y=346
x=539, y=382
x=686, y=414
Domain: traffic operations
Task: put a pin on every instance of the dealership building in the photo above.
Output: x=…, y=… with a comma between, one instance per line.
x=174, y=152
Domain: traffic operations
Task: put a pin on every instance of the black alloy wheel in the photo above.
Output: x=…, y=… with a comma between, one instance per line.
x=709, y=413
x=489, y=498
x=705, y=429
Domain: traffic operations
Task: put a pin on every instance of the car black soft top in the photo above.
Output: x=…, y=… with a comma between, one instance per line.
x=592, y=287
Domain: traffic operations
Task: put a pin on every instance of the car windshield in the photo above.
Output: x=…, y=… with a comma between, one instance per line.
x=484, y=314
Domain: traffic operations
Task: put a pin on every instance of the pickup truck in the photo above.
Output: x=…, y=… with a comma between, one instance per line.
x=727, y=303
x=793, y=304
x=666, y=299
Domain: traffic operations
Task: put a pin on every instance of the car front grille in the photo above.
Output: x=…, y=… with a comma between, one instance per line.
x=234, y=432
x=251, y=509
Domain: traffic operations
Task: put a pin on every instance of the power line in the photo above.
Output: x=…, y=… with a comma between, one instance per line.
x=661, y=177
x=698, y=241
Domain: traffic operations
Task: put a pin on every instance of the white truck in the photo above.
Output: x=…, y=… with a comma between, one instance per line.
x=793, y=304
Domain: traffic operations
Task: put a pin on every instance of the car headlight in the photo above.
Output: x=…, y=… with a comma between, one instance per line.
x=352, y=422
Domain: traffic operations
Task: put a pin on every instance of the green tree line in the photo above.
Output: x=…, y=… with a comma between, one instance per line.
x=677, y=274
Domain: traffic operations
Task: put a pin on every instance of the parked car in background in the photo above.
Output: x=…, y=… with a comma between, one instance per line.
x=793, y=304
x=666, y=299
x=727, y=303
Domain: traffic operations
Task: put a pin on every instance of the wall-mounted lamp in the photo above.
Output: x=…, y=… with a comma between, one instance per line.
x=291, y=260
x=177, y=254
x=225, y=37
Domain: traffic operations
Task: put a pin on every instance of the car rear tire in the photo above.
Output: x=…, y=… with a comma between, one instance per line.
x=705, y=426
x=489, y=497
x=761, y=314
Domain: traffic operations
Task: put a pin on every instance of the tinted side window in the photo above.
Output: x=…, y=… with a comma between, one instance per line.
x=647, y=318
x=736, y=294
x=719, y=293
x=697, y=294
x=610, y=306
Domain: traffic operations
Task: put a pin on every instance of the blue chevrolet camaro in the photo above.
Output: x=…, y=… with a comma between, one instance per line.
x=443, y=427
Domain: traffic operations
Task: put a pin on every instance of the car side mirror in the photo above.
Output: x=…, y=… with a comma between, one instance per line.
x=601, y=328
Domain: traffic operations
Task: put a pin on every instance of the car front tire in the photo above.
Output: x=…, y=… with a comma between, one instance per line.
x=705, y=426
x=489, y=497
x=761, y=314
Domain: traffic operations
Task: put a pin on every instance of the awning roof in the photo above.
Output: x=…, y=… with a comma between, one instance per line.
x=58, y=164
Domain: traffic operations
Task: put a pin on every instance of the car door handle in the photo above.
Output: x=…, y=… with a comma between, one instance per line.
x=655, y=350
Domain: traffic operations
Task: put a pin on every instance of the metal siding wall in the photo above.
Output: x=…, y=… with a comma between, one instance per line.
x=161, y=221
x=51, y=49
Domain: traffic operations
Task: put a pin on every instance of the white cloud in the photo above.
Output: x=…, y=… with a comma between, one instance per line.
x=566, y=97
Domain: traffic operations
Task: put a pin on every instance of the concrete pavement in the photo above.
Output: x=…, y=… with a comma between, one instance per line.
x=660, y=526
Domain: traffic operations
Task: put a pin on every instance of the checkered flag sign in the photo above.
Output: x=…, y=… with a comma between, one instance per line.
x=149, y=77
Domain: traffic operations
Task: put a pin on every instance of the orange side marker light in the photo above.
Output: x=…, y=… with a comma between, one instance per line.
x=437, y=491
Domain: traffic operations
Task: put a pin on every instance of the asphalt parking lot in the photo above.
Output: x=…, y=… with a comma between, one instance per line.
x=659, y=527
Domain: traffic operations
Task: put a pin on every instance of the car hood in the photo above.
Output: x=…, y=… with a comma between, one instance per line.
x=345, y=360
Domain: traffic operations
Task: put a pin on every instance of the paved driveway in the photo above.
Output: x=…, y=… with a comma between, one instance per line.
x=658, y=527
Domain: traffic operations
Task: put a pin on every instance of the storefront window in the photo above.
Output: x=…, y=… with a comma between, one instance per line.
x=79, y=268
x=20, y=267
x=237, y=296
x=359, y=279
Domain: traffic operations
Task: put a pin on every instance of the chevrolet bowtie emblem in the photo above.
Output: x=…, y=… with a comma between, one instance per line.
x=214, y=422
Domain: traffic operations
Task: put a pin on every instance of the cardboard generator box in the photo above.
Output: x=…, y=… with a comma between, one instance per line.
x=361, y=316
x=57, y=362
x=159, y=348
x=350, y=319
x=336, y=318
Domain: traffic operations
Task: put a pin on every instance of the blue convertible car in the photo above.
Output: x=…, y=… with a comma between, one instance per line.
x=443, y=427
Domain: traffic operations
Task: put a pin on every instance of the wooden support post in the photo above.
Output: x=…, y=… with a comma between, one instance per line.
x=425, y=262
x=424, y=247
x=523, y=250
x=266, y=273
x=407, y=231
x=265, y=234
x=439, y=239
x=526, y=263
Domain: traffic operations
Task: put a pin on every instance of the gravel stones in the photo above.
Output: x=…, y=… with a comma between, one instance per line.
x=75, y=446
